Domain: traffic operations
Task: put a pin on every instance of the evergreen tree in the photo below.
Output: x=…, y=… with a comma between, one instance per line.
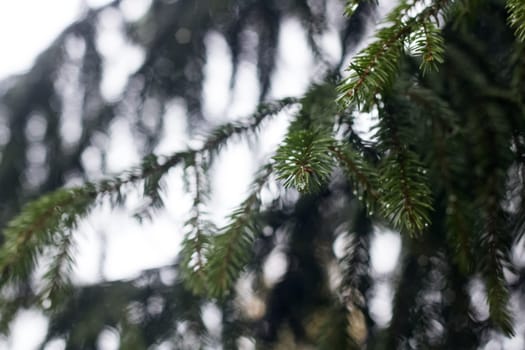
x=444, y=81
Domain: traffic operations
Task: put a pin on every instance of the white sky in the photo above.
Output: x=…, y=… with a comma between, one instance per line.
x=29, y=26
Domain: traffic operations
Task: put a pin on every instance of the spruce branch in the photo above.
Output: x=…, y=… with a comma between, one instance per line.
x=318, y=109
x=446, y=163
x=56, y=279
x=231, y=248
x=493, y=157
x=48, y=222
x=218, y=137
x=406, y=196
x=44, y=225
x=516, y=9
x=497, y=291
x=27, y=235
x=196, y=242
x=428, y=44
x=374, y=68
x=152, y=188
x=304, y=160
x=355, y=263
x=495, y=259
x=363, y=176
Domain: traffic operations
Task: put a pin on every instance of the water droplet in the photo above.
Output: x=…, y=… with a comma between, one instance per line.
x=46, y=303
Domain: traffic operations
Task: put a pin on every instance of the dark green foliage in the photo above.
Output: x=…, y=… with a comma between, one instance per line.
x=46, y=224
x=405, y=194
x=363, y=175
x=304, y=160
x=443, y=167
x=374, y=68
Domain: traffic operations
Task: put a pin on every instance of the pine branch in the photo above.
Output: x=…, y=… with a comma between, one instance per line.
x=50, y=220
x=44, y=225
x=154, y=167
x=318, y=109
x=405, y=193
x=373, y=69
x=304, y=160
x=363, y=176
x=446, y=164
x=494, y=260
x=196, y=242
x=153, y=186
x=407, y=198
x=355, y=263
x=223, y=133
x=428, y=44
x=57, y=283
x=34, y=229
x=231, y=249
x=516, y=10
